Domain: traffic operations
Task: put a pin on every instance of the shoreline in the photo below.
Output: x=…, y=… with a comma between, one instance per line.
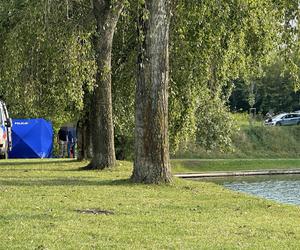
x=237, y=173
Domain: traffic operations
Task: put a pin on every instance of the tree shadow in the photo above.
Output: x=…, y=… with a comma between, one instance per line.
x=40, y=169
x=66, y=182
x=35, y=162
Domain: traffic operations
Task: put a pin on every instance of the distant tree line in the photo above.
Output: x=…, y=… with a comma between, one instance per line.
x=274, y=92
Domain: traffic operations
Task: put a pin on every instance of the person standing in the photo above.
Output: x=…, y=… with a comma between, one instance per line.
x=71, y=138
x=62, y=139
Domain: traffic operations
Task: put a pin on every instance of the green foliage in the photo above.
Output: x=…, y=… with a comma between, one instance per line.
x=124, y=73
x=47, y=60
x=215, y=125
x=290, y=39
x=212, y=45
x=274, y=91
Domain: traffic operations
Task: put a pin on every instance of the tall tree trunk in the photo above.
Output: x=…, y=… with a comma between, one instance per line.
x=107, y=13
x=151, y=164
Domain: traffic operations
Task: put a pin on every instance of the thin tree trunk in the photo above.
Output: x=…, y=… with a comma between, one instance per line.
x=151, y=164
x=84, y=139
x=83, y=130
x=80, y=140
x=88, y=146
x=107, y=15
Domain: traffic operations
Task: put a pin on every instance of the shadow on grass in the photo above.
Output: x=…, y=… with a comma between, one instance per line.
x=41, y=169
x=74, y=169
x=26, y=162
x=66, y=182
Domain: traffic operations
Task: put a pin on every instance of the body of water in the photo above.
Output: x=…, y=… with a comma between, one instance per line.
x=281, y=188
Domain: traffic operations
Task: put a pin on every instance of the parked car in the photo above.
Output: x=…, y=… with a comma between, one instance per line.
x=284, y=119
x=5, y=131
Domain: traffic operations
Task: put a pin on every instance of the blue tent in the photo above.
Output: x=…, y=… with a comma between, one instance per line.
x=31, y=138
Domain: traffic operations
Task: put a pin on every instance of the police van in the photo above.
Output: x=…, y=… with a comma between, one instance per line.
x=5, y=131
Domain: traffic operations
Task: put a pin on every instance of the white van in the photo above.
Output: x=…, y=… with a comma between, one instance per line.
x=5, y=131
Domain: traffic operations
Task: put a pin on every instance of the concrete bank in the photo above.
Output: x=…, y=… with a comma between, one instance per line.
x=238, y=173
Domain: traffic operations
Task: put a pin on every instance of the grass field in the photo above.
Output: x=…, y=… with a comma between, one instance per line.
x=41, y=202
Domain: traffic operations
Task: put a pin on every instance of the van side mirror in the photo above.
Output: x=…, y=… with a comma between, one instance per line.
x=8, y=123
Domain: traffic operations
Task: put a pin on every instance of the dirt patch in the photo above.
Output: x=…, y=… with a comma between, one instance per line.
x=94, y=211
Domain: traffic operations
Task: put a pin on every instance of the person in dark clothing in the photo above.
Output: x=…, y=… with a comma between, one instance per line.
x=62, y=140
x=71, y=137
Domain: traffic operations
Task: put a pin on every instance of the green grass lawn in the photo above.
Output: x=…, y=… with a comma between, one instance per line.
x=208, y=165
x=39, y=199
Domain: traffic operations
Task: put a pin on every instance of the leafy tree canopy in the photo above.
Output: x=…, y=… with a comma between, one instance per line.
x=47, y=60
x=214, y=43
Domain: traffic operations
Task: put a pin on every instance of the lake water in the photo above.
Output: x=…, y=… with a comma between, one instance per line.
x=281, y=188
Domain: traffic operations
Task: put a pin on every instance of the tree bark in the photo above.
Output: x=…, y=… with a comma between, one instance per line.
x=151, y=164
x=84, y=146
x=107, y=15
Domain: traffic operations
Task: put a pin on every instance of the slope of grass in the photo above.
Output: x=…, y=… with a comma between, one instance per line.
x=207, y=165
x=40, y=199
x=268, y=142
x=254, y=142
